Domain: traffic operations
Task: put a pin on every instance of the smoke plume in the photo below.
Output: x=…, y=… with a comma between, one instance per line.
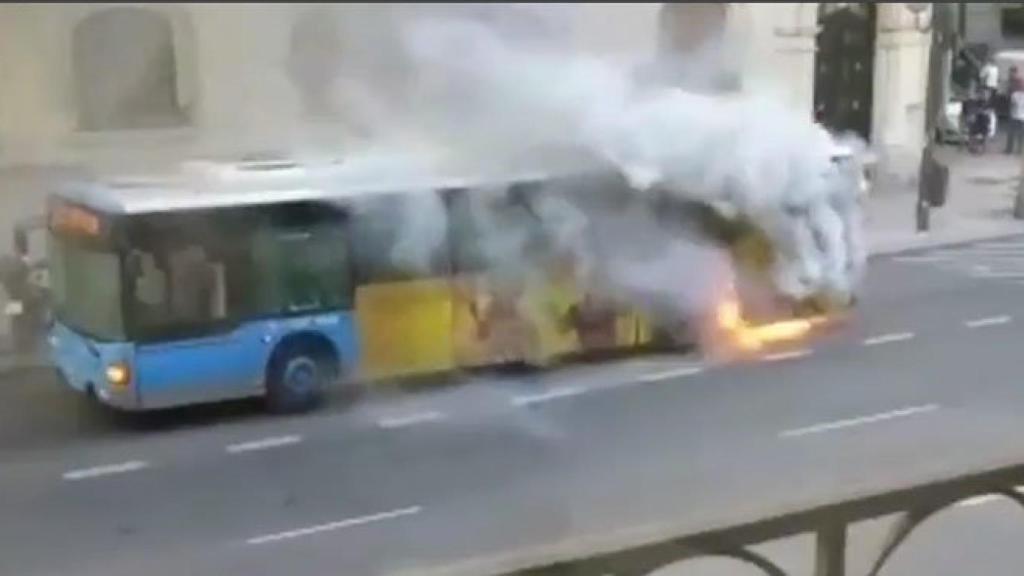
x=494, y=88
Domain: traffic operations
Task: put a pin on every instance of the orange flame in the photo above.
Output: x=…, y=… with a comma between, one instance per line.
x=754, y=337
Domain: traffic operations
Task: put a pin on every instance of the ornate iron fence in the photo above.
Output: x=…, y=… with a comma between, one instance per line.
x=829, y=523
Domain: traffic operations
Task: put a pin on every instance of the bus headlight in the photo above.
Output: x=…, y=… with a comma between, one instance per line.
x=118, y=375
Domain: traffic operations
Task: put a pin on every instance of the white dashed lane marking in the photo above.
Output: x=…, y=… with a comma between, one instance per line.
x=669, y=374
x=348, y=523
x=888, y=338
x=990, y=321
x=858, y=421
x=263, y=444
x=556, y=394
x=977, y=261
x=781, y=356
x=410, y=420
x=991, y=275
x=920, y=259
x=107, y=470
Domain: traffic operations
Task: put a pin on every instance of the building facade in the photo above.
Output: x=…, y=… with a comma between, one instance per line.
x=860, y=67
x=130, y=84
x=995, y=25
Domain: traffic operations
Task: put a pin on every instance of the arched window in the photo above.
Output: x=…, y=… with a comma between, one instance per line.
x=692, y=53
x=688, y=27
x=125, y=71
x=314, y=59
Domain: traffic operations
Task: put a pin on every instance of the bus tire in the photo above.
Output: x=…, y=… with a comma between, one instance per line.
x=297, y=375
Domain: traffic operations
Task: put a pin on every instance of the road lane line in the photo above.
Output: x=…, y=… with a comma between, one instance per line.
x=410, y=420
x=990, y=321
x=556, y=394
x=888, y=338
x=780, y=356
x=859, y=421
x=263, y=444
x=107, y=470
x=920, y=259
x=668, y=375
x=991, y=275
x=348, y=523
x=1002, y=244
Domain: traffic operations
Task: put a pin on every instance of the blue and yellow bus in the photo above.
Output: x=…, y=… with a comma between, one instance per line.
x=261, y=279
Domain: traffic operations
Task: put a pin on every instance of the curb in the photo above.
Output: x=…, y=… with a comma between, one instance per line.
x=927, y=245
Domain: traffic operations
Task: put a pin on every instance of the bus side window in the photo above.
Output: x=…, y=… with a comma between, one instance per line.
x=391, y=243
x=219, y=292
x=196, y=286
x=301, y=268
x=463, y=233
x=151, y=281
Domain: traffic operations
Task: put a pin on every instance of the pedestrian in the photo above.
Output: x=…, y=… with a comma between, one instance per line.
x=990, y=80
x=1014, y=82
x=1015, y=128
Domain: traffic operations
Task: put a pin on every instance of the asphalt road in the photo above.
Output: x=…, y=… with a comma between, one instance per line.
x=923, y=382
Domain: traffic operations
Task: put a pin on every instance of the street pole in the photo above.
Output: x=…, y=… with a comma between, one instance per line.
x=930, y=174
x=961, y=20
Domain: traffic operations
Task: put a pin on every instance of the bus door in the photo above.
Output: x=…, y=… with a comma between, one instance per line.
x=403, y=296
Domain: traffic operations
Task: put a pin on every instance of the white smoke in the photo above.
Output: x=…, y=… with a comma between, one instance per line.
x=489, y=95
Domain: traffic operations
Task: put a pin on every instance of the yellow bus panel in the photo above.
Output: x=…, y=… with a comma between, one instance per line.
x=490, y=323
x=405, y=327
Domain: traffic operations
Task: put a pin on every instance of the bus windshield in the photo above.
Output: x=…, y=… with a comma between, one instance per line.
x=85, y=280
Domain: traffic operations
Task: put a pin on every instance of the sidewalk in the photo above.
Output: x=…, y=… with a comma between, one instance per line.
x=979, y=205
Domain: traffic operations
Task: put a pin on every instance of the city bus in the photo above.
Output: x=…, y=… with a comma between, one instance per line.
x=262, y=279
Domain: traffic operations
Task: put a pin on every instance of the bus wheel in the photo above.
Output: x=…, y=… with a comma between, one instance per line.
x=297, y=377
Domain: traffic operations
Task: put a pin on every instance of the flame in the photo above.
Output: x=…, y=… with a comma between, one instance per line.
x=749, y=337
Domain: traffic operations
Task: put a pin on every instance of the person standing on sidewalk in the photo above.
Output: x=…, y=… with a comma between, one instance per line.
x=1015, y=128
x=990, y=81
x=1014, y=82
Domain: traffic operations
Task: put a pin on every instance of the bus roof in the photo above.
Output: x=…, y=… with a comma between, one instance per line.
x=207, y=185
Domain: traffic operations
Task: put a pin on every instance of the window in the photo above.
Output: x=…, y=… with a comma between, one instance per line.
x=399, y=237
x=688, y=27
x=178, y=287
x=495, y=229
x=125, y=71
x=86, y=288
x=695, y=50
x=186, y=273
x=1012, y=21
x=301, y=269
x=199, y=273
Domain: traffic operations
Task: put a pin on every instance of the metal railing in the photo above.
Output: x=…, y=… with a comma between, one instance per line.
x=828, y=523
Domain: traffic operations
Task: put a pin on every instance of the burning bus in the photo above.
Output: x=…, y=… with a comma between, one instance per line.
x=277, y=279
